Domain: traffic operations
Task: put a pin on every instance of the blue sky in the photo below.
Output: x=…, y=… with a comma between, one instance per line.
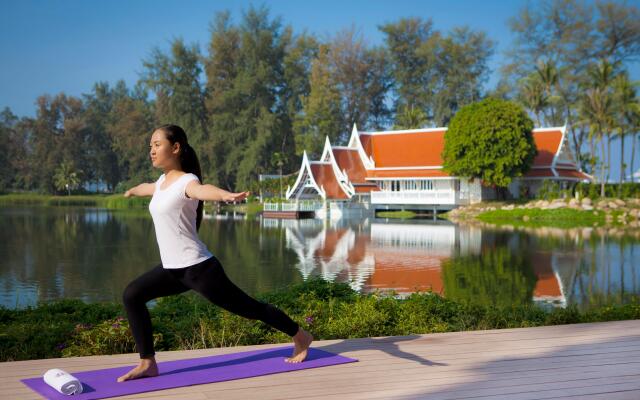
x=67, y=46
x=57, y=46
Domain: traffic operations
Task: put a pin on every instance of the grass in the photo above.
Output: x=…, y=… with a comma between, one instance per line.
x=329, y=310
x=111, y=201
x=396, y=214
x=558, y=218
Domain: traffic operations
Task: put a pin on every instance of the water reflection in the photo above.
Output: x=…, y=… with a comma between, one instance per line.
x=56, y=252
x=469, y=263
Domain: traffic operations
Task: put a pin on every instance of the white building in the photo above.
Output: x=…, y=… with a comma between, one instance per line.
x=403, y=169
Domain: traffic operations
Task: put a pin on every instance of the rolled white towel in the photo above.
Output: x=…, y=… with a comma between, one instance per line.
x=62, y=381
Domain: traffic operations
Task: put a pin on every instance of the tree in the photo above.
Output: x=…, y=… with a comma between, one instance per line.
x=350, y=64
x=57, y=133
x=321, y=114
x=596, y=109
x=248, y=113
x=180, y=96
x=628, y=115
x=277, y=160
x=66, y=177
x=570, y=35
x=409, y=117
x=435, y=72
x=129, y=128
x=460, y=69
x=99, y=148
x=298, y=62
x=10, y=149
x=410, y=70
x=490, y=140
x=532, y=96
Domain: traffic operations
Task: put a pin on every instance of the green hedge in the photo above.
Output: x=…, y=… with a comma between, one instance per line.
x=328, y=310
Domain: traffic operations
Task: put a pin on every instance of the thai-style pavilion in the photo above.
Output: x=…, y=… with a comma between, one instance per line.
x=404, y=168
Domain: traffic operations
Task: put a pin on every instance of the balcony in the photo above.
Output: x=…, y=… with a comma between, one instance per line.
x=439, y=196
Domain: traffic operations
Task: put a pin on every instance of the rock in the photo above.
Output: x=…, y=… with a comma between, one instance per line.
x=587, y=207
x=525, y=218
x=573, y=202
x=543, y=203
x=586, y=201
x=620, y=202
x=613, y=205
x=553, y=206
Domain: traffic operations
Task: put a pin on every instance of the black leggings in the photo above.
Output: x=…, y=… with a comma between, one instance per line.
x=208, y=279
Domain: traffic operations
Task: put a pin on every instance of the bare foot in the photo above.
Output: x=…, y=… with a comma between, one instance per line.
x=302, y=340
x=146, y=368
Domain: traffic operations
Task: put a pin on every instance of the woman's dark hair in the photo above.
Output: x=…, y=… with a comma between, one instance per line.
x=188, y=158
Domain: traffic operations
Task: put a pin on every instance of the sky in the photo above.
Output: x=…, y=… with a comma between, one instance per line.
x=67, y=46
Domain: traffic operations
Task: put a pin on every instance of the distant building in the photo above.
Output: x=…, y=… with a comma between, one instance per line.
x=403, y=169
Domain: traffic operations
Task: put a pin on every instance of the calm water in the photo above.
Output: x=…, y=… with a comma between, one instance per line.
x=50, y=253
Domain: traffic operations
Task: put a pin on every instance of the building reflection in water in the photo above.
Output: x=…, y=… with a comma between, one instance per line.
x=409, y=257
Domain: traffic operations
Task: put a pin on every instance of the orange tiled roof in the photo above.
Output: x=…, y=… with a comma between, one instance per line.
x=412, y=149
x=572, y=173
x=349, y=160
x=547, y=143
x=324, y=177
x=366, y=143
x=562, y=173
x=539, y=173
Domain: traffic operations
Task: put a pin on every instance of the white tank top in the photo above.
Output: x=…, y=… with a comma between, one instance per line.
x=174, y=217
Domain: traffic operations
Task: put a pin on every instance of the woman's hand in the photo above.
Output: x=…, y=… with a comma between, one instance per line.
x=235, y=197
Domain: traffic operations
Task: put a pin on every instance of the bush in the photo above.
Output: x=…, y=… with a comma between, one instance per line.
x=328, y=310
x=624, y=191
x=108, y=337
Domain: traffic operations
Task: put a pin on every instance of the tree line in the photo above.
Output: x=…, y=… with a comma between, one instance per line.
x=260, y=94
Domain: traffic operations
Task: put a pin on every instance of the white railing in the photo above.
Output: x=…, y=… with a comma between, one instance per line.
x=295, y=206
x=427, y=197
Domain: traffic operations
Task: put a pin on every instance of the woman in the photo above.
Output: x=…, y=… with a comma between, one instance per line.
x=176, y=209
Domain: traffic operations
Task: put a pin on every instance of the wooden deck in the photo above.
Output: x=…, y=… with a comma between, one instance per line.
x=584, y=361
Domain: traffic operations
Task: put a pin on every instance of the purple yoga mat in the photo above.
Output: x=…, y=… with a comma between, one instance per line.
x=101, y=383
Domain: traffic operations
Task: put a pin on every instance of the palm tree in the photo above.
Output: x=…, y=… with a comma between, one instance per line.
x=597, y=107
x=548, y=77
x=410, y=117
x=66, y=177
x=633, y=146
x=628, y=115
x=278, y=160
x=532, y=95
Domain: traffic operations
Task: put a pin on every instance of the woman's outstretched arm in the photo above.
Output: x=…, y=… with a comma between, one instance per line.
x=143, y=189
x=212, y=193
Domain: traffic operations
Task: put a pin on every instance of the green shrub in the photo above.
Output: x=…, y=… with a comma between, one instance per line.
x=328, y=310
x=108, y=337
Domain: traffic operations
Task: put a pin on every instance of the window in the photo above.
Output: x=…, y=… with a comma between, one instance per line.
x=426, y=185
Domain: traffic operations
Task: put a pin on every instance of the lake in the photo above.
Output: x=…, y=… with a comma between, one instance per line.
x=49, y=253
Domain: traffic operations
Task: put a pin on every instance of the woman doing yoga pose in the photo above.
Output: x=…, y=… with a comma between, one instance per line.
x=176, y=209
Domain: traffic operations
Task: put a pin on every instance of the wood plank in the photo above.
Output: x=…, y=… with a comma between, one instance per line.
x=597, y=359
